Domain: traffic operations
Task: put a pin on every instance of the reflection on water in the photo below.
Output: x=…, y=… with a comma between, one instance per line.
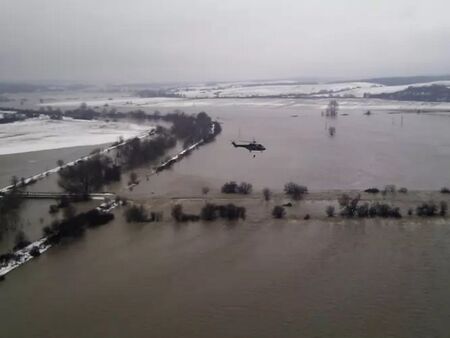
x=253, y=280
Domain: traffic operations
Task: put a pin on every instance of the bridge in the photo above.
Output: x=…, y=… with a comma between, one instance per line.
x=59, y=195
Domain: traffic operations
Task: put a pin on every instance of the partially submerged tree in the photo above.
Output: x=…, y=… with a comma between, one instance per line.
x=332, y=108
x=177, y=212
x=330, y=211
x=21, y=241
x=267, y=194
x=88, y=175
x=136, y=213
x=278, y=212
x=133, y=178
x=295, y=191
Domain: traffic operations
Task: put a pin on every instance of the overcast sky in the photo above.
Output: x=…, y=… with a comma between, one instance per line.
x=200, y=40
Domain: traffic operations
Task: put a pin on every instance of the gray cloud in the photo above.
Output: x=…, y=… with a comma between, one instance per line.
x=198, y=40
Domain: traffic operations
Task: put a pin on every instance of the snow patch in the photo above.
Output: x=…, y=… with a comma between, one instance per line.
x=44, y=133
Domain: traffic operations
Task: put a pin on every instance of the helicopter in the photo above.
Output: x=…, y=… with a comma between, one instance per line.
x=250, y=146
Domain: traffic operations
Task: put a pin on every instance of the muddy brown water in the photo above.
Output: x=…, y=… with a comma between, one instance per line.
x=259, y=278
x=251, y=279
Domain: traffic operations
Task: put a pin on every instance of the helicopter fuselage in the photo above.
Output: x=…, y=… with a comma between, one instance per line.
x=252, y=146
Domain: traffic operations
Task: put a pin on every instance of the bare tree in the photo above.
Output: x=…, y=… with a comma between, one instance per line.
x=332, y=108
x=267, y=194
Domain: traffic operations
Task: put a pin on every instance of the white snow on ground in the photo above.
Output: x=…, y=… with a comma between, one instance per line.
x=256, y=93
x=239, y=90
x=24, y=256
x=356, y=89
x=44, y=133
x=113, y=102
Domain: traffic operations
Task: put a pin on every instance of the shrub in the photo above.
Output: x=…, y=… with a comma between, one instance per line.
x=205, y=190
x=267, y=194
x=330, y=211
x=244, y=188
x=208, y=212
x=295, y=191
x=390, y=189
x=395, y=213
x=231, y=212
x=53, y=209
x=278, y=212
x=372, y=190
x=233, y=188
x=190, y=218
x=133, y=178
x=344, y=200
x=445, y=190
x=177, y=212
x=21, y=241
x=35, y=251
x=307, y=216
x=426, y=209
x=230, y=188
x=136, y=213
x=349, y=205
x=443, y=208
x=363, y=210
x=403, y=190
x=95, y=217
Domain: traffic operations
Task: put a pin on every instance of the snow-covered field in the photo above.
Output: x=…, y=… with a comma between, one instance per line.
x=342, y=89
x=274, y=93
x=44, y=133
x=271, y=89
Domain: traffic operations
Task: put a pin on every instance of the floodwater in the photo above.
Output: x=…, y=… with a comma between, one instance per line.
x=405, y=149
x=253, y=279
x=35, y=162
x=368, y=278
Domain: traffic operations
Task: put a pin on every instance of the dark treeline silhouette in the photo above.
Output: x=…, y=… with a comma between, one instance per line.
x=138, y=214
x=89, y=175
x=295, y=191
x=350, y=207
x=430, y=209
x=10, y=203
x=233, y=188
x=137, y=152
x=433, y=93
x=180, y=216
x=187, y=128
x=211, y=212
x=75, y=226
x=278, y=212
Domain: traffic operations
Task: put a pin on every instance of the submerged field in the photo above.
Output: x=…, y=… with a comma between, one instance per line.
x=258, y=277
